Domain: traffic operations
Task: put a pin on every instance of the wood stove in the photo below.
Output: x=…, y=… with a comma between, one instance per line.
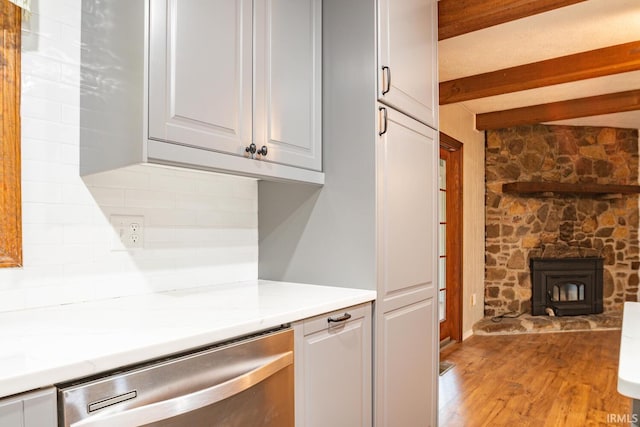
x=568, y=286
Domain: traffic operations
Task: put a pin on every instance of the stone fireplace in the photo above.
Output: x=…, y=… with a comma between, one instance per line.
x=522, y=227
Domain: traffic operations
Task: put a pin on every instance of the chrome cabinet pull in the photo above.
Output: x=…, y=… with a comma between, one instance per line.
x=250, y=149
x=262, y=151
x=386, y=71
x=384, y=121
x=342, y=318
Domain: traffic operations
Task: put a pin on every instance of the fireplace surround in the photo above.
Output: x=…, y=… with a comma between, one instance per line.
x=521, y=225
x=566, y=286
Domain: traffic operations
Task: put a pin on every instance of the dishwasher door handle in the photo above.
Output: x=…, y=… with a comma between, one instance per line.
x=192, y=401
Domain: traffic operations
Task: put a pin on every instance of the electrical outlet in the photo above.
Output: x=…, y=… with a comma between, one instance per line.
x=129, y=232
x=473, y=299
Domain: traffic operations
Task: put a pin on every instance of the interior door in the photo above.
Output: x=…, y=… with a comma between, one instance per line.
x=450, y=239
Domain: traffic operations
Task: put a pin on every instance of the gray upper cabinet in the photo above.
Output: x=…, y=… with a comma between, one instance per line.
x=288, y=77
x=200, y=74
x=231, y=86
x=407, y=58
x=205, y=90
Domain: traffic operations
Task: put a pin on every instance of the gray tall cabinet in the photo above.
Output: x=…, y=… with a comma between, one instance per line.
x=373, y=225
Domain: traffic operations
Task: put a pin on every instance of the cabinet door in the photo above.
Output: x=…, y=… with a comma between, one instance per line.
x=407, y=190
x=11, y=413
x=33, y=409
x=406, y=315
x=333, y=377
x=200, y=72
x=406, y=377
x=288, y=77
x=407, y=57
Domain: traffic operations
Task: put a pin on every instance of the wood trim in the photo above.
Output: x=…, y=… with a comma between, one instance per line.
x=449, y=143
x=457, y=17
x=10, y=199
x=582, y=107
x=563, y=187
x=585, y=65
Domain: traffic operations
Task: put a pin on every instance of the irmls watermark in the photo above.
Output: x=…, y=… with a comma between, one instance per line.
x=622, y=418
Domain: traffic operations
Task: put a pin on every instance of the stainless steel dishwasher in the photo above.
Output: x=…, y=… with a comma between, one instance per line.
x=244, y=383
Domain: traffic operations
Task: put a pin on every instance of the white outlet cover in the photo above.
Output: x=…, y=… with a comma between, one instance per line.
x=128, y=232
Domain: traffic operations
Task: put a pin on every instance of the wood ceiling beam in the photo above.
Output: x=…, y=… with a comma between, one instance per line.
x=571, y=109
x=621, y=58
x=456, y=17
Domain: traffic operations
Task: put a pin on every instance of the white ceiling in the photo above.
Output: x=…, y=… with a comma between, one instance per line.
x=584, y=26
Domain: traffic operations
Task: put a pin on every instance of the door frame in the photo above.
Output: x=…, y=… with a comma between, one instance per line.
x=454, y=238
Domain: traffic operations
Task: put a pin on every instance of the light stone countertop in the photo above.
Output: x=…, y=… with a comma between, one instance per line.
x=44, y=346
x=629, y=367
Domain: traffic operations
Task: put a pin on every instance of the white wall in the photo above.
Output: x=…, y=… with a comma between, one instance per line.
x=200, y=228
x=459, y=123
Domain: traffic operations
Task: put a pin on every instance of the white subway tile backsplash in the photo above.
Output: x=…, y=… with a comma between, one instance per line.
x=200, y=228
x=45, y=192
x=108, y=196
x=34, y=65
x=43, y=171
x=58, y=214
x=41, y=234
x=70, y=115
x=148, y=199
x=76, y=193
x=87, y=234
x=65, y=94
x=39, y=26
x=39, y=108
x=211, y=218
x=171, y=217
x=128, y=178
x=36, y=149
x=63, y=11
x=49, y=130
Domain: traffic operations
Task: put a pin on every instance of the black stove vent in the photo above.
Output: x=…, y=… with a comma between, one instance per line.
x=568, y=286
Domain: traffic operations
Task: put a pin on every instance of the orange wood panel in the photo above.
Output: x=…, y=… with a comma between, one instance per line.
x=10, y=200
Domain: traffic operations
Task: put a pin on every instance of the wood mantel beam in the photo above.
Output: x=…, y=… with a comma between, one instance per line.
x=570, y=109
x=617, y=59
x=456, y=17
x=573, y=188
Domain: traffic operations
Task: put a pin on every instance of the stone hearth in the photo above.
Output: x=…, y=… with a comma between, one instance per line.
x=524, y=226
x=527, y=323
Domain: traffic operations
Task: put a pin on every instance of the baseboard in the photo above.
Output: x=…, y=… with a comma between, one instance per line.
x=467, y=334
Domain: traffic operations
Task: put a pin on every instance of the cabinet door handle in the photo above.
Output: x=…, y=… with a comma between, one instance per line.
x=262, y=151
x=386, y=71
x=251, y=148
x=384, y=120
x=342, y=318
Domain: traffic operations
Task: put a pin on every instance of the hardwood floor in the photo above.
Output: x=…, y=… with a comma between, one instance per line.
x=553, y=379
